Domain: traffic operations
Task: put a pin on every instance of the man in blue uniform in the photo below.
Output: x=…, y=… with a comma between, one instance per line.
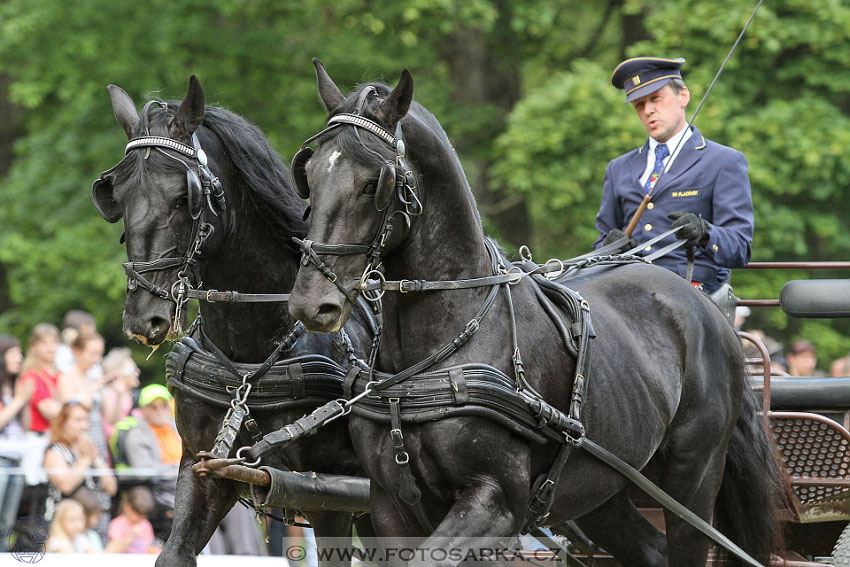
x=702, y=187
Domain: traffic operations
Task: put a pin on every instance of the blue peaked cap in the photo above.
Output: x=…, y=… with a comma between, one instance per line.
x=640, y=76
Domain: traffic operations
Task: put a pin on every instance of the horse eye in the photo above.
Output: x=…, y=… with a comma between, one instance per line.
x=371, y=187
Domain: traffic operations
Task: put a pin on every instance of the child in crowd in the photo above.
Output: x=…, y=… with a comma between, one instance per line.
x=122, y=378
x=131, y=532
x=67, y=530
x=93, y=509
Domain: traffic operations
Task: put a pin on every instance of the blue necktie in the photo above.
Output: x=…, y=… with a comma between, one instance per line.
x=661, y=152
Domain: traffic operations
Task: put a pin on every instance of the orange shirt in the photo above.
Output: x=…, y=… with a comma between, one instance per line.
x=170, y=446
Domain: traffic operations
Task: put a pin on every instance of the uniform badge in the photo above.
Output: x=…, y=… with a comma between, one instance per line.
x=636, y=80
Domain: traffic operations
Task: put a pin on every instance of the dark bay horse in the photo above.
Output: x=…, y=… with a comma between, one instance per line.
x=250, y=214
x=665, y=388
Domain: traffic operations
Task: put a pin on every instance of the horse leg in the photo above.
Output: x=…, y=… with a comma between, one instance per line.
x=199, y=506
x=687, y=546
x=480, y=524
x=691, y=473
x=606, y=525
x=333, y=537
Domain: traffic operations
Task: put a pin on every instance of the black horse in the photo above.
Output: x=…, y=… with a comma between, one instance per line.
x=185, y=226
x=667, y=375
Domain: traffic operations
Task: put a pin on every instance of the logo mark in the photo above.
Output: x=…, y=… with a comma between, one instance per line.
x=28, y=539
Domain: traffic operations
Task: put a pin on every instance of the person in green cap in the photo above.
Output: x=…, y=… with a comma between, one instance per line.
x=148, y=440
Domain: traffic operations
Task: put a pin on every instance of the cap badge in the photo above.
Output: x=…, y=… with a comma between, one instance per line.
x=636, y=80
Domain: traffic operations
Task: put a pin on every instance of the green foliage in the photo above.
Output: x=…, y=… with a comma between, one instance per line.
x=551, y=154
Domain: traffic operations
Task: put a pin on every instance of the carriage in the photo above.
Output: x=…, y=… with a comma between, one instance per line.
x=260, y=399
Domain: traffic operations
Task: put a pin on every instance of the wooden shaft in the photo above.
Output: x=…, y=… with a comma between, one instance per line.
x=638, y=213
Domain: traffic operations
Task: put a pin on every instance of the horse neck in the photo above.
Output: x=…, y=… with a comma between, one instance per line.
x=445, y=243
x=250, y=260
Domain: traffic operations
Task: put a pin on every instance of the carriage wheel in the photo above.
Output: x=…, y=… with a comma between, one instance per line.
x=841, y=552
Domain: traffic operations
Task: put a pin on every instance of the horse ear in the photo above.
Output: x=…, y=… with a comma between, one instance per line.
x=328, y=91
x=124, y=109
x=190, y=114
x=397, y=104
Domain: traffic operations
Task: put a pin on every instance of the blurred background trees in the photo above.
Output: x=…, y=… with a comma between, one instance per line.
x=522, y=88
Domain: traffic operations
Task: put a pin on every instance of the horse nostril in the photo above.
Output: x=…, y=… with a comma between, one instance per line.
x=159, y=326
x=328, y=313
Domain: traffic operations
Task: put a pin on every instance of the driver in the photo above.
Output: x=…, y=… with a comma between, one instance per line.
x=704, y=190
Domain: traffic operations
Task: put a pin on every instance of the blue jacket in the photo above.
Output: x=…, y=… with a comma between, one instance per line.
x=707, y=179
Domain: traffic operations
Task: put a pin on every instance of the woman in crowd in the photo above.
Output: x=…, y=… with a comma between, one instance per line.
x=80, y=386
x=38, y=369
x=72, y=461
x=13, y=398
x=122, y=377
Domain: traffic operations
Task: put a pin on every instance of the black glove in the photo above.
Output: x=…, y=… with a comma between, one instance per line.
x=616, y=234
x=692, y=227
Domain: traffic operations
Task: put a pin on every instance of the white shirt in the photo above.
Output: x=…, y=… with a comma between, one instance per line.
x=672, y=143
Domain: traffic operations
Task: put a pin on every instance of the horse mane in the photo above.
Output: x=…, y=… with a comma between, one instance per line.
x=262, y=175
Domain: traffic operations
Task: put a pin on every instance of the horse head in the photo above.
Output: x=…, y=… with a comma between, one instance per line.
x=173, y=206
x=362, y=196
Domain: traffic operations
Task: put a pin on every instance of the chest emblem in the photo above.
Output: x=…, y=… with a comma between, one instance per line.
x=688, y=193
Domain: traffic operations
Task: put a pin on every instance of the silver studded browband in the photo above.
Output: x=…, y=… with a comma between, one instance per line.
x=364, y=123
x=160, y=142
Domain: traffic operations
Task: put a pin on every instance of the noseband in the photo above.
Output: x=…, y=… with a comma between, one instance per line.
x=205, y=193
x=399, y=194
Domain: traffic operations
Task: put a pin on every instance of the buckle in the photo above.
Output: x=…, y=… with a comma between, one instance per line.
x=403, y=283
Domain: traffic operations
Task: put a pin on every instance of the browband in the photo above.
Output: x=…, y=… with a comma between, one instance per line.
x=160, y=142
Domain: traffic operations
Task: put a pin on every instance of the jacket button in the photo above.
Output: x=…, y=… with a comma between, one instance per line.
x=650, y=206
x=648, y=248
x=647, y=227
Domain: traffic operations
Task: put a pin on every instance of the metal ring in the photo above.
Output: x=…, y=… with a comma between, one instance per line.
x=557, y=273
x=239, y=456
x=380, y=292
x=525, y=253
x=518, y=270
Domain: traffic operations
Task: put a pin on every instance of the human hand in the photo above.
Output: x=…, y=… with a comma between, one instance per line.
x=691, y=227
x=87, y=448
x=616, y=234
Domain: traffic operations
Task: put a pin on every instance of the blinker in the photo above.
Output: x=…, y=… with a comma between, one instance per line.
x=195, y=194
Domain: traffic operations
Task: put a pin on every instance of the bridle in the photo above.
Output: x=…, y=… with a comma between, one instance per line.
x=395, y=195
x=205, y=196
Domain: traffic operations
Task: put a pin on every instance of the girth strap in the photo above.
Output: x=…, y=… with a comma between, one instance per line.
x=408, y=492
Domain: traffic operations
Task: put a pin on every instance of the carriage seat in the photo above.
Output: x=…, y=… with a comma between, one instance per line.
x=809, y=392
x=816, y=298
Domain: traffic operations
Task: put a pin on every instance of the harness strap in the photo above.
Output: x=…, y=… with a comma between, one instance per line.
x=216, y=296
x=303, y=427
x=666, y=500
x=691, y=256
x=450, y=348
x=543, y=493
x=408, y=491
x=287, y=343
x=407, y=286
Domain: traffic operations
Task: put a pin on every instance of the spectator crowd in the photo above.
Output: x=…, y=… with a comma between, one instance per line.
x=93, y=454
x=87, y=450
